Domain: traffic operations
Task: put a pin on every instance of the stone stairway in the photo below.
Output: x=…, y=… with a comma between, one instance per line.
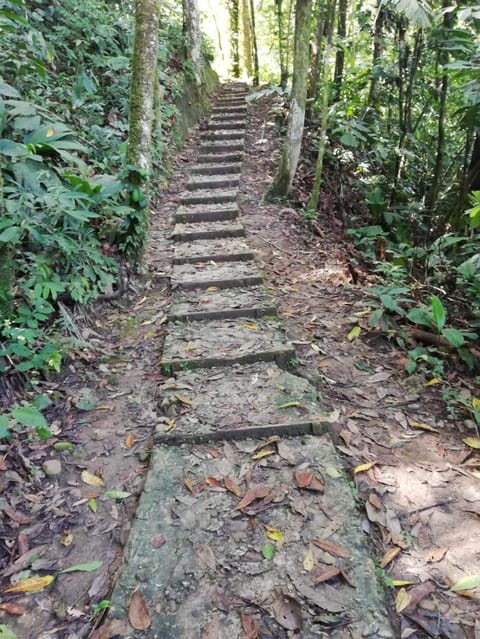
x=236, y=421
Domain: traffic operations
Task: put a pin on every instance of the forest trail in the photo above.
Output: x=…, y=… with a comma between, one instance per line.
x=247, y=525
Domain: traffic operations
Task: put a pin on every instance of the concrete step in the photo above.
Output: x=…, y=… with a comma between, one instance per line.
x=224, y=250
x=222, y=134
x=207, y=212
x=242, y=109
x=219, y=157
x=222, y=146
x=217, y=168
x=249, y=400
x=226, y=303
x=226, y=124
x=194, y=557
x=209, y=196
x=209, y=274
x=202, y=182
x=208, y=343
x=186, y=232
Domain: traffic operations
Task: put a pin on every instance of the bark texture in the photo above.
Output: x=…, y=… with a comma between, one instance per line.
x=142, y=84
x=193, y=37
x=293, y=142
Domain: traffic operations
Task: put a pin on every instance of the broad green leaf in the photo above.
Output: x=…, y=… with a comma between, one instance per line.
x=117, y=494
x=268, y=551
x=453, y=336
x=4, y=427
x=88, y=567
x=419, y=316
x=6, y=633
x=29, y=416
x=11, y=234
x=438, y=312
x=466, y=583
x=473, y=442
x=8, y=91
x=92, y=504
x=355, y=332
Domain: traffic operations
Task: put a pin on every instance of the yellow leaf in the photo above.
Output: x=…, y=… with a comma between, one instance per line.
x=273, y=533
x=363, y=467
x=50, y=132
x=187, y=348
x=308, y=560
x=434, y=381
x=476, y=402
x=92, y=504
x=263, y=453
x=129, y=440
x=251, y=325
x=403, y=600
x=402, y=582
x=473, y=442
x=67, y=538
x=389, y=556
x=422, y=426
x=184, y=400
x=355, y=332
x=32, y=584
x=92, y=480
x=169, y=426
x=212, y=288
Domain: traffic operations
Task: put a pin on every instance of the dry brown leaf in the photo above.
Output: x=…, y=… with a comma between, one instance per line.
x=316, y=485
x=389, y=556
x=13, y=609
x=114, y=628
x=232, y=486
x=332, y=548
x=436, y=554
x=308, y=560
x=256, y=492
x=346, y=435
x=184, y=400
x=375, y=500
x=138, y=613
x=288, y=612
x=422, y=426
x=346, y=576
x=249, y=626
x=326, y=574
x=188, y=484
x=67, y=538
x=214, y=453
x=129, y=440
x=303, y=477
x=214, y=482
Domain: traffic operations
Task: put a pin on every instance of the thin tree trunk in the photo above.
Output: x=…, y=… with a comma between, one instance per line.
x=315, y=195
x=281, y=43
x=193, y=38
x=293, y=142
x=247, y=38
x=340, y=55
x=377, y=53
x=256, y=71
x=234, y=14
x=315, y=66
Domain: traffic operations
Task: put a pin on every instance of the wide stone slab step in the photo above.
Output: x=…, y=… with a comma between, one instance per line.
x=201, y=563
x=217, y=168
x=207, y=230
x=241, y=108
x=207, y=212
x=225, y=250
x=209, y=196
x=223, y=134
x=222, y=146
x=229, y=124
x=216, y=157
x=204, y=344
x=213, y=181
x=242, y=401
x=226, y=303
x=221, y=275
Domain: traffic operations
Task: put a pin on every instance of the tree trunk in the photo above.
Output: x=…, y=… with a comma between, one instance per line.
x=377, y=53
x=281, y=43
x=234, y=15
x=256, y=71
x=247, y=38
x=142, y=84
x=314, y=197
x=193, y=37
x=315, y=66
x=340, y=55
x=293, y=142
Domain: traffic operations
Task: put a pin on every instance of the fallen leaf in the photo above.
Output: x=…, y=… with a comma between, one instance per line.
x=289, y=404
x=214, y=453
x=110, y=630
x=375, y=500
x=316, y=485
x=6, y=632
x=205, y=557
x=268, y=551
x=466, y=583
x=346, y=576
x=303, y=477
x=472, y=442
x=332, y=548
x=88, y=567
x=389, y=556
x=326, y=574
x=436, y=554
x=13, y=609
x=92, y=480
x=32, y=584
x=273, y=533
x=251, y=325
x=398, y=583
x=170, y=426
x=268, y=442
x=288, y=612
x=363, y=467
x=249, y=627
x=403, y=600
x=17, y=516
x=213, y=481
x=264, y=453
x=67, y=538
x=129, y=440
x=232, y=486
x=92, y=504
x=138, y=614
x=422, y=426
x=257, y=492
x=355, y=332
x=184, y=400
x=158, y=541
x=309, y=560
x=117, y=494
x=188, y=484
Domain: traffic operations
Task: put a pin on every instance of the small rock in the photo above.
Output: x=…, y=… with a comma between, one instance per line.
x=52, y=468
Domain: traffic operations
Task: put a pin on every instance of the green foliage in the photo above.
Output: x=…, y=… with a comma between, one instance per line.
x=26, y=415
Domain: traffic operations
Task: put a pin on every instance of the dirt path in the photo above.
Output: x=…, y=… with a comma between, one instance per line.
x=242, y=530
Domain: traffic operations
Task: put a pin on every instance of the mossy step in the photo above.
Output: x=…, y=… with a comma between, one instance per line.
x=209, y=196
x=202, y=182
x=200, y=567
x=222, y=146
x=215, y=125
x=224, y=250
x=217, y=168
x=242, y=108
x=186, y=232
x=223, y=134
x=250, y=302
x=221, y=157
x=260, y=396
x=207, y=212
x=204, y=344
x=209, y=274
